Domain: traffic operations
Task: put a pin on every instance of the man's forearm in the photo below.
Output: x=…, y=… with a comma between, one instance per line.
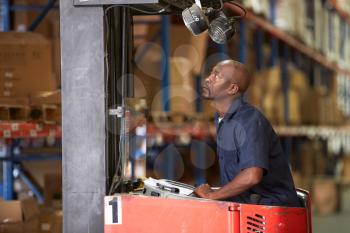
x=241, y=183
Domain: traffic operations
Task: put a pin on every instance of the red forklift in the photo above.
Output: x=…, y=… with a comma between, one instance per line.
x=165, y=206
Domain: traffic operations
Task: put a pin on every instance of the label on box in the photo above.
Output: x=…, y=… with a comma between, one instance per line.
x=21, y=28
x=8, y=84
x=113, y=210
x=7, y=93
x=45, y=226
x=8, y=74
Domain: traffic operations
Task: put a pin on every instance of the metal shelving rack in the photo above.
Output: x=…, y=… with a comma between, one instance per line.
x=4, y=15
x=12, y=133
x=288, y=43
x=265, y=26
x=278, y=38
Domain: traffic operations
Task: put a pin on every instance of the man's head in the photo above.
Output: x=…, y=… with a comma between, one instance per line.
x=227, y=80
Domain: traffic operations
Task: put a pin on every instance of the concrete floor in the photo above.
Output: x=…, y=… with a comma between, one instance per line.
x=339, y=222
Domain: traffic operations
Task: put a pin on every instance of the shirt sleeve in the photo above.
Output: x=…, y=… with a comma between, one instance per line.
x=254, y=149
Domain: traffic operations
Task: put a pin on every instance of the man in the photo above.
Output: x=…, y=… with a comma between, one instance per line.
x=251, y=160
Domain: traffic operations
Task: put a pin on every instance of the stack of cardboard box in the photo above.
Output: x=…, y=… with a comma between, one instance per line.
x=26, y=64
x=325, y=196
x=30, y=65
x=19, y=216
x=48, y=27
x=306, y=105
x=266, y=93
x=26, y=70
x=316, y=23
x=50, y=221
x=272, y=96
x=346, y=169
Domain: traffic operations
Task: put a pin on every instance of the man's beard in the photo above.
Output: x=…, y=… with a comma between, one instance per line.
x=208, y=96
x=211, y=97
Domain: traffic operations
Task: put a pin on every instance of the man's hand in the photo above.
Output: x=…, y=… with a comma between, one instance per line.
x=246, y=179
x=203, y=191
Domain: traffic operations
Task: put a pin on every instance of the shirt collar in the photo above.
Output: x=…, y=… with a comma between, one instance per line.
x=233, y=108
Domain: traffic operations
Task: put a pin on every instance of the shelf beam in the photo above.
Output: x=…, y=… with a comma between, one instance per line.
x=291, y=41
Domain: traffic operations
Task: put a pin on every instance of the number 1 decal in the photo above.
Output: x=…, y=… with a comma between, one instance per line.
x=113, y=210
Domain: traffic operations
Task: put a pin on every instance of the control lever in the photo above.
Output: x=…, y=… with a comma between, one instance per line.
x=255, y=199
x=171, y=189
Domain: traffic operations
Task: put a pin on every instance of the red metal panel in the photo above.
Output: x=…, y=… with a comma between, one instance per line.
x=141, y=214
x=269, y=219
x=29, y=130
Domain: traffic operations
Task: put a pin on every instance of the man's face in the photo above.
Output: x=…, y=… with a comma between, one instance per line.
x=218, y=82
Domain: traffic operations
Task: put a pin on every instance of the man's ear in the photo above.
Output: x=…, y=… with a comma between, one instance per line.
x=233, y=89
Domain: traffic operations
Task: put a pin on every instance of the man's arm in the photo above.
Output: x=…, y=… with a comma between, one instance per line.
x=246, y=179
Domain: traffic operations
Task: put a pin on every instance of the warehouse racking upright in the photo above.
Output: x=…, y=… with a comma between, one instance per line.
x=14, y=133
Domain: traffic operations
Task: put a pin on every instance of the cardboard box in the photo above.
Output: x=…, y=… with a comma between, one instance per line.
x=181, y=89
x=307, y=157
x=55, y=24
x=50, y=220
x=58, y=223
x=53, y=190
x=256, y=90
x=272, y=78
x=298, y=81
x=19, y=216
x=310, y=107
x=147, y=76
x=294, y=102
x=25, y=64
x=273, y=107
x=23, y=101
x=346, y=169
x=325, y=196
x=193, y=48
x=56, y=60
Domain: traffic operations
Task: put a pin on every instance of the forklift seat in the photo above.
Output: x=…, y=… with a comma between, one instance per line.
x=305, y=201
x=303, y=197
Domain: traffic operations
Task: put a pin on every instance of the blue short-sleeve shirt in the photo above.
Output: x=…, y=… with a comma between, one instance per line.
x=245, y=139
